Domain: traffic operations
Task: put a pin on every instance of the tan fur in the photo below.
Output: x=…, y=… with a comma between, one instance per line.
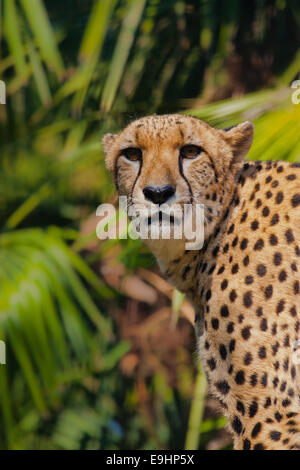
x=244, y=283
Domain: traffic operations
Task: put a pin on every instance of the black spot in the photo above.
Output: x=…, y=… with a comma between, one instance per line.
x=295, y=200
x=244, y=217
x=268, y=402
x=275, y=219
x=224, y=311
x=264, y=324
x=283, y=387
x=254, y=225
x=221, y=270
x=275, y=435
x=248, y=359
x=246, y=444
x=268, y=292
x=232, y=345
x=293, y=311
x=237, y=425
x=277, y=259
x=246, y=261
x=185, y=272
x=266, y=211
x=253, y=409
x=244, y=244
x=212, y=364
x=215, y=323
x=279, y=197
x=235, y=268
x=264, y=380
x=224, y=284
x=226, y=248
x=231, y=229
x=280, y=307
x=259, y=245
x=262, y=353
x=223, y=352
x=235, y=242
x=253, y=380
x=208, y=295
x=240, y=377
x=215, y=251
x=246, y=333
x=240, y=407
x=249, y=280
x=259, y=312
x=291, y=177
x=293, y=372
x=248, y=299
x=232, y=296
x=256, y=430
x=275, y=348
x=274, y=329
x=223, y=387
x=289, y=236
x=259, y=446
x=230, y=327
x=211, y=270
x=273, y=240
x=282, y=276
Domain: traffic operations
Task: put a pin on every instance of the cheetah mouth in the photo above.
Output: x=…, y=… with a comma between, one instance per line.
x=162, y=218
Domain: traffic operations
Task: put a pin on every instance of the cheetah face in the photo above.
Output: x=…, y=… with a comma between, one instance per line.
x=175, y=160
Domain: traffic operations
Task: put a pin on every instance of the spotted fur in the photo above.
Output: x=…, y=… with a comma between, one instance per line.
x=244, y=282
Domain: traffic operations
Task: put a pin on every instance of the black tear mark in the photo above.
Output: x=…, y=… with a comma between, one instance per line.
x=214, y=168
x=185, y=178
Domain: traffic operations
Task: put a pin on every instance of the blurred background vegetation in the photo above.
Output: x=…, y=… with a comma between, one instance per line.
x=100, y=350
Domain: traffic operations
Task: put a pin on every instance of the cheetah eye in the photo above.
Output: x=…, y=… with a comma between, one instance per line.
x=191, y=151
x=132, y=153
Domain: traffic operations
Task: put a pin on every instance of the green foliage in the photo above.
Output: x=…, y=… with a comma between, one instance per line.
x=75, y=70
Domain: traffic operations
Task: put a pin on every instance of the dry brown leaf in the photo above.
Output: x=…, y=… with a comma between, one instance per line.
x=163, y=286
x=136, y=288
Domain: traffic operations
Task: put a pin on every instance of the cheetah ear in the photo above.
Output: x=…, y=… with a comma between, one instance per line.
x=107, y=142
x=240, y=139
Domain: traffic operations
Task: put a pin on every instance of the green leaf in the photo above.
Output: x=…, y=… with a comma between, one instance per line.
x=38, y=19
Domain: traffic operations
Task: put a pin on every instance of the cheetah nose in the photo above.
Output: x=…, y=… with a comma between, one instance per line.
x=159, y=194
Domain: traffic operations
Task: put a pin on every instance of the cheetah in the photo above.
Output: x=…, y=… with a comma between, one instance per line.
x=245, y=280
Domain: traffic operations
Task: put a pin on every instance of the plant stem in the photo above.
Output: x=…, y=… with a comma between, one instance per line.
x=196, y=413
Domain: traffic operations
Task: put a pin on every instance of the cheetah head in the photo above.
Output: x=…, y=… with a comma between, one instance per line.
x=175, y=160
